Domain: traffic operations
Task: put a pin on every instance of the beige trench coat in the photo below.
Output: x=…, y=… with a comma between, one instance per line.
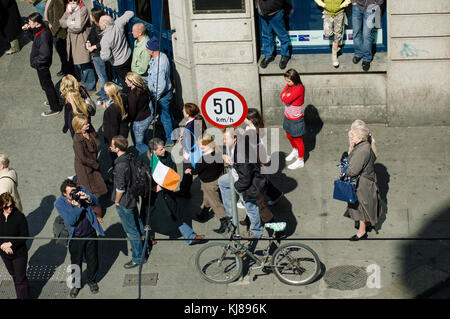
x=361, y=162
x=78, y=27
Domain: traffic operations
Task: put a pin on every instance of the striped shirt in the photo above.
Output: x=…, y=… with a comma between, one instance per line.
x=293, y=99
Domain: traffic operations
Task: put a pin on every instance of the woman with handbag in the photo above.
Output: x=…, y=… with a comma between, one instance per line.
x=361, y=161
x=293, y=97
x=85, y=146
x=139, y=112
x=115, y=121
x=14, y=251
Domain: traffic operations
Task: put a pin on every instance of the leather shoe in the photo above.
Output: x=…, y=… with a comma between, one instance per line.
x=266, y=61
x=94, y=288
x=130, y=264
x=198, y=239
x=356, y=238
x=74, y=292
x=356, y=59
x=284, y=61
x=365, y=66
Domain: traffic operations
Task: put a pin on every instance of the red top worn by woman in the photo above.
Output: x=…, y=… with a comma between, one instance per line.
x=294, y=101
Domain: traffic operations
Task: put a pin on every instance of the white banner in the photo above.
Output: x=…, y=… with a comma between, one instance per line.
x=304, y=38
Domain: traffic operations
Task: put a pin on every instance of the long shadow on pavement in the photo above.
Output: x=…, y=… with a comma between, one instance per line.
x=109, y=250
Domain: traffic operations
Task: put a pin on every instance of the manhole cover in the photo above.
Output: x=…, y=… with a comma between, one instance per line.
x=146, y=280
x=41, y=289
x=346, y=277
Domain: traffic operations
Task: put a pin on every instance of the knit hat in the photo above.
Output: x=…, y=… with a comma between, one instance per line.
x=153, y=44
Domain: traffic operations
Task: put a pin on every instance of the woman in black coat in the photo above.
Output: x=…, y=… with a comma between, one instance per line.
x=10, y=24
x=14, y=251
x=115, y=121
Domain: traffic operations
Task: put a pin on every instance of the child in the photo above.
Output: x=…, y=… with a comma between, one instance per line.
x=209, y=170
x=333, y=23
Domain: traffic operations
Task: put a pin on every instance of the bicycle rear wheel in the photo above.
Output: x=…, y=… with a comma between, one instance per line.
x=217, y=263
x=295, y=264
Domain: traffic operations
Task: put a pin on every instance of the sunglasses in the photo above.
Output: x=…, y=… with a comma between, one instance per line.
x=8, y=207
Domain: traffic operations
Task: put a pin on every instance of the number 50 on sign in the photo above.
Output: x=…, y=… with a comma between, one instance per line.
x=223, y=107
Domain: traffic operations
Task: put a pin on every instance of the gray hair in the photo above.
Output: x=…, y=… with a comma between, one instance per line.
x=4, y=160
x=106, y=20
x=154, y=143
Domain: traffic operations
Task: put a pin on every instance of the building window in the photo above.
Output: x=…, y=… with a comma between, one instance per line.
x=218, y=6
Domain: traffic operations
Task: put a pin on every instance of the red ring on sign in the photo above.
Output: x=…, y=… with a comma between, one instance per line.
x=239, y=96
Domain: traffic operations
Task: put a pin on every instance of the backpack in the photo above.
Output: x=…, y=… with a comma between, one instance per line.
x=139, y=182
x=60, y=230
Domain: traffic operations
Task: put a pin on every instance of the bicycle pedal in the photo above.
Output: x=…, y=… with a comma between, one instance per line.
x=256, y=267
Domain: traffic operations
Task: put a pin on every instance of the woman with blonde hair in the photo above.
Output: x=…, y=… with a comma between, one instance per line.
x=115, y=120
x=14, y=251
x=361, y=160
x=371, y=139
x=85, y=146
x=139, y=109
x=75, y=105
x=209, y=169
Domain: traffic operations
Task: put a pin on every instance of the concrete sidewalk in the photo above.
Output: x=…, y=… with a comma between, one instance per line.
x=412, y=170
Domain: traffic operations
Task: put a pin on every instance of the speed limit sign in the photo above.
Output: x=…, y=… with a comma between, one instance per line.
x=223, y=107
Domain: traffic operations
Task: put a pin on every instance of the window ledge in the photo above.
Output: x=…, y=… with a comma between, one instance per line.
x=321, y=63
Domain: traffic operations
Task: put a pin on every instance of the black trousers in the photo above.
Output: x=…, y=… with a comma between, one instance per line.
x=17, y=268
x=88, y=249
x=186, y=182
x=121, y=72
x=61, y=49
x=47, y=85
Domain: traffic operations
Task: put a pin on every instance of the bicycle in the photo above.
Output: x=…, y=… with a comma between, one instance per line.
x=292, y=263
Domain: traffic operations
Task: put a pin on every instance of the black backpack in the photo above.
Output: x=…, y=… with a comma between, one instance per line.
x=139, y=183
x=60, y=230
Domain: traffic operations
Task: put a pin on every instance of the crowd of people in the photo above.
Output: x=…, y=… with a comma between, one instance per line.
x=145, y=91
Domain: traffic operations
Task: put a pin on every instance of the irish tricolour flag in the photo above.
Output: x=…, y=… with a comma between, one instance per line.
x=163, y=175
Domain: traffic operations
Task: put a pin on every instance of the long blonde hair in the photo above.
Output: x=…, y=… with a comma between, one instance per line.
x=112, y=91
x=77, y=102
x=68, y=83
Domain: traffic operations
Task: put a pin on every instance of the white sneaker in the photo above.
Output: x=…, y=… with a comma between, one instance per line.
x=292, y=155
x=240, y=205
x=298, y=163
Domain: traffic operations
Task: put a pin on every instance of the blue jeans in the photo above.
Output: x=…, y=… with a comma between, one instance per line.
x=130, y=222
x=275, y=24
x=251, y=207
x=138, y=133
x=187, y=232
x=165, y=115
x=100, y=68
x=39, y=7
x=87, y=76
x=362, y=33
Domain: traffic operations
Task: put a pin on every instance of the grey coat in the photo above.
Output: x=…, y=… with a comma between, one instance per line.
x=77, y=33
x=361, y=162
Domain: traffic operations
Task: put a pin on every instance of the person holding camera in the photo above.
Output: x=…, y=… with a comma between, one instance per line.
x=75, y=207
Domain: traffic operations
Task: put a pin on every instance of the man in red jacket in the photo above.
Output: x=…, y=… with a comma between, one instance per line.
x=41, y=59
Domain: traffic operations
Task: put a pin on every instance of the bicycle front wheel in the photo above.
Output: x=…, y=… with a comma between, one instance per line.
x=295, y=264
x=217, y=263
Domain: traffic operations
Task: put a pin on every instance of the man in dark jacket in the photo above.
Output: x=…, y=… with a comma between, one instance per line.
x=271, y=14
x=249, y=183
x=365, y=15
x=41, y=59
x=126, y=203
x=165, y=214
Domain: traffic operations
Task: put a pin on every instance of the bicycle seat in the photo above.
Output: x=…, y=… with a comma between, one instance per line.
x=276, y=226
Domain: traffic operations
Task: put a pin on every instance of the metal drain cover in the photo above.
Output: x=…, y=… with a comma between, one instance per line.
x=41, y=289
x=346, y=277
x=146, y=280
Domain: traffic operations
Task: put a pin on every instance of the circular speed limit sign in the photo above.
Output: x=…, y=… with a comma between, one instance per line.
x=223, y=107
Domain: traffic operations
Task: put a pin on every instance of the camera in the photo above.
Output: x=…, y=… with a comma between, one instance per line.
x=73, y=194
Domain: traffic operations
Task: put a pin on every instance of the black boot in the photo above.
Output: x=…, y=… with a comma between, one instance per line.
x=224, y=222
